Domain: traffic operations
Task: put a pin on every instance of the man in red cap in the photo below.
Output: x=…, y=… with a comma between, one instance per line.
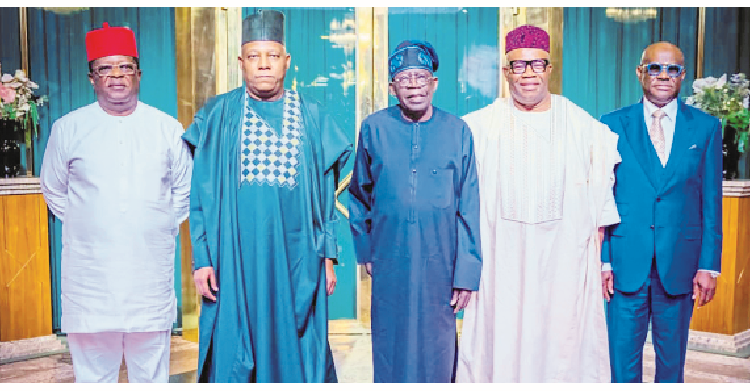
x=117, y=174
x=545, y=170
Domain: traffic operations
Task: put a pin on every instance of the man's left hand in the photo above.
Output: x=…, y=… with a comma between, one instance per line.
x=460, y=299
x=704, y=288
x=330, y=277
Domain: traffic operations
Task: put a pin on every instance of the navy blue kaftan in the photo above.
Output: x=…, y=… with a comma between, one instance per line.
x=415, y=215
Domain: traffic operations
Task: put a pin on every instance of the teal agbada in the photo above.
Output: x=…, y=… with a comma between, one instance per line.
x=267, y=245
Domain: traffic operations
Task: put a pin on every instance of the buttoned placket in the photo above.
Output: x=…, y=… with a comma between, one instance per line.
x=413, y=166
x=123, y=173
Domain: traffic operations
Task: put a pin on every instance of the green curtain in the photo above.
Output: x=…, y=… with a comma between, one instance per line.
x=466, y=41
x=322, y=44
x=58, y=64
x=600, y=54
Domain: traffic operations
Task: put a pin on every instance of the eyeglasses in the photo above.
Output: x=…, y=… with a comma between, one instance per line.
x=519, y=66
x=404, y=80
x=126, y=69
x=655, y=69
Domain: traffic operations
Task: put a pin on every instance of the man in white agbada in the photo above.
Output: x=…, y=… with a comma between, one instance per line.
x=117, y=174
x=545, y=175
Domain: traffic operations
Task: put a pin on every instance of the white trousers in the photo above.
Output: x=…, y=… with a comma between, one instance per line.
x=97, y=356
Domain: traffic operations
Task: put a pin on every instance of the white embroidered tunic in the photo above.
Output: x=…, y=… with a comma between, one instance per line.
x=545, y=182
x=120, y=185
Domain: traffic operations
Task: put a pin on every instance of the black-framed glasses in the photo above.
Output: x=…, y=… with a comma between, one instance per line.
x=519, y=66
x=655, y=69
x=421, y=80
x=126, y=69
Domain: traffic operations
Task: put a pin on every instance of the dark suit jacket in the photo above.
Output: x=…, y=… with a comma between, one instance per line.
x=672, y=213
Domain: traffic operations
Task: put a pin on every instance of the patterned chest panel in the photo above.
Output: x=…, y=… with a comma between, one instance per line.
x=269, y=157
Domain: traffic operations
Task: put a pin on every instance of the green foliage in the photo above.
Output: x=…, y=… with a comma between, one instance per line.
x=726, y=100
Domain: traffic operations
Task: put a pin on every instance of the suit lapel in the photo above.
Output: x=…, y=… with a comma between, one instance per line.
x=683, y=138
x=637, y=135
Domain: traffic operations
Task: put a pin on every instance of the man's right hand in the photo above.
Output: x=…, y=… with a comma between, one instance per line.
x=608, y=284
x=368, y=268
x=201, y=278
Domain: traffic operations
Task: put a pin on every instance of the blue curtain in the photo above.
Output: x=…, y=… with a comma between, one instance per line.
x=58, y=64
x=600, y=54
x=10, y=50
x=322, y=44
x=466, y=42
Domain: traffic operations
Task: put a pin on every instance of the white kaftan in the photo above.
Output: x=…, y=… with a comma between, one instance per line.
x=120, y=185
x=546, y=186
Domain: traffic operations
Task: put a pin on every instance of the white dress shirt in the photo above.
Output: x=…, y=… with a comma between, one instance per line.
x=120, y=185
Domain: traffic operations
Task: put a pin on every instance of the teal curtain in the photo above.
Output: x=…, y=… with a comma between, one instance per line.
x=58, y=64
x=10, y=50
x=322, y=44
x=727, y=47
x=466, y=41
x=600, y=54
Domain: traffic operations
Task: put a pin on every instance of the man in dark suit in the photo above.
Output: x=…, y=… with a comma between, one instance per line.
x=666, y=252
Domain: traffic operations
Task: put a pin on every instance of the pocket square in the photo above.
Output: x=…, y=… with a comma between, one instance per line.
x=693, y=146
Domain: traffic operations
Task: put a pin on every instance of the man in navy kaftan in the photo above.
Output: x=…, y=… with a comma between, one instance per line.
x=262, y=220
x=415, y=220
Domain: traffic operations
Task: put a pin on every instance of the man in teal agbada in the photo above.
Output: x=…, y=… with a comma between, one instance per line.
x=262, y=220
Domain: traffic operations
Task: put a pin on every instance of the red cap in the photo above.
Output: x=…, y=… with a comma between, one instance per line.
x=527, y=37
x=110, y=41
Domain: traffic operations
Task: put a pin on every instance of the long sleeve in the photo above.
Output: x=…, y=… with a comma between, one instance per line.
x=468, y=268
x=182, y=170
x=197, y=221
x=360, y=200
x=711, y=193
x=336, y=151
x=54, y=173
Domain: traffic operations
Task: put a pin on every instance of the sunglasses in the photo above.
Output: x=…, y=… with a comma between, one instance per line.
x=655, y=69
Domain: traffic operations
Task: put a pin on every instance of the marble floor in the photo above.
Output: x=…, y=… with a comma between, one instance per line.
x=351, y=347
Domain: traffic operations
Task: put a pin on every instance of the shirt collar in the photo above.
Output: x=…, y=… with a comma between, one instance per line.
x=670, y=110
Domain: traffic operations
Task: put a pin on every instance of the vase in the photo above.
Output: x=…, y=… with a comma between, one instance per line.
x=730, y=149
x=10, y=151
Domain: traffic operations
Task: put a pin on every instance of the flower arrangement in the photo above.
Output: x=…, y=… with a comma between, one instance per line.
x=19, y=103
x=727, y=101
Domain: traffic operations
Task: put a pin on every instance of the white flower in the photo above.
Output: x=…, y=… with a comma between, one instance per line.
x=15, y=84
x=33, y=85
x=690, y=101
x=20, y=75
x=746, y=102
x=6, y=78
x=720, y=83
x=701, y=84
x=24, y=107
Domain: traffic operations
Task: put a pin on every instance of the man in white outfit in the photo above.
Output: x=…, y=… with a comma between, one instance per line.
x=546, y=171
x=117, y=174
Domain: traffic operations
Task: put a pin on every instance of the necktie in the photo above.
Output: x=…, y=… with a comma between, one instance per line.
x=657, y=134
